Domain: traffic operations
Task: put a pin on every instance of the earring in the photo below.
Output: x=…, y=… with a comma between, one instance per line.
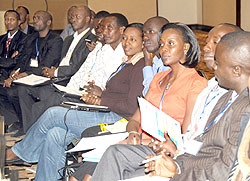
x=185, y=53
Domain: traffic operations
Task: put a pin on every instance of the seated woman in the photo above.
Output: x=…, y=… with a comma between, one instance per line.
x=46, y=140
x=173, y=91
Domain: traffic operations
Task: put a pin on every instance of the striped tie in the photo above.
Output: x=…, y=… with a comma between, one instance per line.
x=8, y=46
x=234, y=171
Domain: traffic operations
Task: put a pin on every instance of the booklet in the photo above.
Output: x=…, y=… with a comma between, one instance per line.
x=155, y=122
x=70, y=92
x=32, y=80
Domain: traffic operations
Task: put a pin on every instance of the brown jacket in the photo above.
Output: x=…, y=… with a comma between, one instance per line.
x=217, y=154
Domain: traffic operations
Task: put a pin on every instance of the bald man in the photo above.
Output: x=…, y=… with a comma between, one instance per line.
x=220, y=137
x=74, y=54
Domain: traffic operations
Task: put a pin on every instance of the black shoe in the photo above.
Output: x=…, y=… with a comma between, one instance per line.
x=18, y=134
x=17, y=161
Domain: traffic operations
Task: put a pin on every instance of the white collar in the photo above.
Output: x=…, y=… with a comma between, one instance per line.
x=11, y=36
x=76, y=35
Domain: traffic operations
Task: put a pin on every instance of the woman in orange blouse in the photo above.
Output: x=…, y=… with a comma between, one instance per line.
x=173, y=91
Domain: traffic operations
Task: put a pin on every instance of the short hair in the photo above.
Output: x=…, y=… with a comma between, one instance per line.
x=101, y=14
x=26, y=9
x=234, y=27
x=139, y=26
x=13, y=11
x=239, y=43
x=47, y=14
x=121, y=19
x=193, y=54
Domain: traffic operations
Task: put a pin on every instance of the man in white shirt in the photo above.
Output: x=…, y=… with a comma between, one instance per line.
x=41, y=148
x=100, y=64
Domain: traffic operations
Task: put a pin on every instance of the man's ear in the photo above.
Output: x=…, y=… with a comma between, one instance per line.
x=122, y=28
x=49, y=22
x=237, y=70
x=87, y=20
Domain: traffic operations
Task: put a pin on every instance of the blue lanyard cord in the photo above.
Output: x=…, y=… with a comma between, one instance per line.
x=220, y=114
x=166, y=88
x=37, y=50
x=118, y=70
x=158, y=69
x=207, y=103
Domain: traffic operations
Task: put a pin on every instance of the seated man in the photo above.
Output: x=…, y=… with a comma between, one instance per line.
x=98, y=67
x=214, y=159
x=153, y=62
x=11, y=52
x=203, y=107
x=42, y=49
x=68, y=30
x=25, y=16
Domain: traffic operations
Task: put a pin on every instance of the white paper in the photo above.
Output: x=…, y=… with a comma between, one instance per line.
x=117, y=127
x=155, y=122
x=98, y=142
x=69, y=90
x=32, y=80
x=148, y=178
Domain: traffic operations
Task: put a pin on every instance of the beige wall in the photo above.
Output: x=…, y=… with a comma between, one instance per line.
x=185, y=11
x=58, y=8
x=245, y=8
x=219, y=11
x=134, y=10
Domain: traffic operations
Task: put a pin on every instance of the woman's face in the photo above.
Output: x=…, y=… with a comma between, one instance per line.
x=132, y=42
x=172, y=47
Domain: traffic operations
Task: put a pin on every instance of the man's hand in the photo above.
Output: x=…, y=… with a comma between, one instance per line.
x=91, y=99
x=163, y=167
x=14, y=54
x=167, y=146
x=134, y=139
x=7, y=82
x=93, y=89
x=148, y=57
x=91, y=46
x=49, y=72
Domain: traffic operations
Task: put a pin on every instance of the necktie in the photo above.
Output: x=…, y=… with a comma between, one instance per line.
x=8, y=46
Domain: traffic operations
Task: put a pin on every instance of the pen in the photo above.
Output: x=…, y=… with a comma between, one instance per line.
x=134, y=140
x=15, y=72
x=150, y=159
x=88, y=40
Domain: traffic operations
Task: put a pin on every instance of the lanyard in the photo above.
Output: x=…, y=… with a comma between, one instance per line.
x=220, y=114
x=158, y=69
x=37, y=50
x=207, y=103
x=118, y=70
x=166, y=88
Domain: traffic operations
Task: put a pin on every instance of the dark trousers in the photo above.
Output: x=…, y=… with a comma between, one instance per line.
x=9, y=105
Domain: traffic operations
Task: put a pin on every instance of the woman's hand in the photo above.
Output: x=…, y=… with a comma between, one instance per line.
x=7, y=82
x=91, y=99
x=163, y=167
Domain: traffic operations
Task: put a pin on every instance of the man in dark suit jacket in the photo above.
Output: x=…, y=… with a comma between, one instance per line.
x=11, y=52
x=42, y=48
x=74, y=53
x=10, y=56
x=24, y=17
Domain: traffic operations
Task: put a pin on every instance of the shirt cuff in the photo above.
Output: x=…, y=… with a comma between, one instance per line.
x=179, y=168
x=56, y=73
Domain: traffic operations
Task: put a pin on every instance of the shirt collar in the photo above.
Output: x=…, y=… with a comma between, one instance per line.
x=134, y=59
x=76, y=35
x=11, y=36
